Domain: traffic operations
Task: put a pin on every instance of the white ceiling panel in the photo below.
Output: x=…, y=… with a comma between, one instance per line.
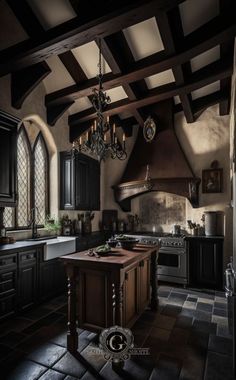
x=144, y=39
x=195, y=13
x=59, y=77
x=80, y=105
x=177, y=99
x=160, y=79
x=87, y=55
x=205, y=58
x=52, y=12
x=11, y=30
x=209, y=89
x=116, y=94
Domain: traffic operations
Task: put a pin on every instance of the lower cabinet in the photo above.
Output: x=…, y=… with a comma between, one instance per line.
x=205, y=257
x=52, y=279
x=27, y=279
x=8, y=284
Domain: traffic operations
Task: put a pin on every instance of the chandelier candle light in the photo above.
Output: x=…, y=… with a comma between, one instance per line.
x=101, y=139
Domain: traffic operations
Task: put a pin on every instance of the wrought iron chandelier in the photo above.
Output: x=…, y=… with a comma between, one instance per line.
x=101, y=139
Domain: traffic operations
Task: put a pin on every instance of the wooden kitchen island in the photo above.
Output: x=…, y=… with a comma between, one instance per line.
x=109, y=290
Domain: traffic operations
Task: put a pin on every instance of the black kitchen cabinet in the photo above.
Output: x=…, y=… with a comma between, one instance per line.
x=8, y=141
x=52, y=279
x=205, y=256
x=8, y=284
x=79, y=182
x=27, y=279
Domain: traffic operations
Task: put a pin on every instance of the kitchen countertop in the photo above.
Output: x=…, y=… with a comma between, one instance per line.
x=19, y=245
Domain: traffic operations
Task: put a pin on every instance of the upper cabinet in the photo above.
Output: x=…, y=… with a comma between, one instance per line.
x=79, y=182
x=8, y=141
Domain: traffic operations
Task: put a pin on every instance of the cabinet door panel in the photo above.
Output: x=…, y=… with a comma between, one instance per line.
x=131, y=296
x=82, y=199
x=27, y=285
x=7, y=306
x=67, y=193
x=7, y=282
x=144, y=283
x=8, y=136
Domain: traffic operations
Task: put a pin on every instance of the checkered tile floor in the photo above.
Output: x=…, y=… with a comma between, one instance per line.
x=188, y=339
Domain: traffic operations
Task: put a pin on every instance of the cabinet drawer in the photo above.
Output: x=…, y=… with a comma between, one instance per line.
x=7, y=282
x=8, y=260
x=27, y=256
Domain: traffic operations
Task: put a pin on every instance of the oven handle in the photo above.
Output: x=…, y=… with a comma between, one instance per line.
x=174, y=251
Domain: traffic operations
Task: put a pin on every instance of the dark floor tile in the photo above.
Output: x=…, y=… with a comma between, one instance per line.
x=203, y=326
x=220, y=294
x=184, y=322
x=193, y=365
x=38, y=313
x=171, y=310
x=138, y=368
x=167, y=368
x=198, y=341
x=220, y=305
x=220, y=344
x=201, y=315
x=52, y=375
x=15, y=324
x=220, y=312
x=62, y=309
x=12, y=339
x=148, y=317
x=218, y=367
x=163, y=293
x=204, y=307
x=89, y=376
x=191, y=299
x=179, y=336
x=177, y=298
x=26, y=369
x=175, y=294
x=200, y=294
x=4, y=351
x=47, y=355
x=223, y=330
x=70, y=378
x=109, y=374
x=164, y=321
x=140, y=332
x=157, y=341
x=49, y=319
x=70, y=365
x=96, y=360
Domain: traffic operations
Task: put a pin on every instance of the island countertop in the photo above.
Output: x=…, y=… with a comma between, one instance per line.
x=117, y=257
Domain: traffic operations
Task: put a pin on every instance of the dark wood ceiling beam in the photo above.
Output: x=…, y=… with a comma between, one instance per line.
x=170, y=48
x=55, y=112
x=26, y=17
x=77, y=32
x=151, y=65
x=201, y=78
x=226, y=50
x=108, y=53
x=23, y=82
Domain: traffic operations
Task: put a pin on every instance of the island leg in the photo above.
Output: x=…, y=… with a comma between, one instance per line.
x=72, y=335
x=153, y=280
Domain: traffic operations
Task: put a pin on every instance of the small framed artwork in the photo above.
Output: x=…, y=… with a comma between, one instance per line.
x=212, y=180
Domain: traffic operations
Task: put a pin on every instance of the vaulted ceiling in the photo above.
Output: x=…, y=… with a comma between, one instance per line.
x=152, y=50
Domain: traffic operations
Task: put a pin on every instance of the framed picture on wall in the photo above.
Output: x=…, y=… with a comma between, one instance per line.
x=212, y=180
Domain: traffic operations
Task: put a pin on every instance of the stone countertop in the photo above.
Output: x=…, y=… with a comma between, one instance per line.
x=191, y=237
x=18, y=245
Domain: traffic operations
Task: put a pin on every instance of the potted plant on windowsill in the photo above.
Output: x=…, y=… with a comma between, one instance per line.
x=52, y=225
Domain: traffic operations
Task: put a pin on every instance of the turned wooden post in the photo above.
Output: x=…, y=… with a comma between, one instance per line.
x=72, y=335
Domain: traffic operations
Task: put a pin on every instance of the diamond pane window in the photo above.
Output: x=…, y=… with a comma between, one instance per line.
x=40, y=180
x=8, y=217
x=23, y=179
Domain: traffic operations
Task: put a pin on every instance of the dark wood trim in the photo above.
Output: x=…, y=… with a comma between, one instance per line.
x=209, y=74
x=26, y=17
x=77, y=32
x=55, y=112
x=23, y=82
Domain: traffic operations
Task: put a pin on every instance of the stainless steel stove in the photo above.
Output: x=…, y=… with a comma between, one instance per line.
x=172, y=258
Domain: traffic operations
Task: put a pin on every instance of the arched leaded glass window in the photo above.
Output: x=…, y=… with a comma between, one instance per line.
x=40, y=179
x=32, y=180
x=23, y=179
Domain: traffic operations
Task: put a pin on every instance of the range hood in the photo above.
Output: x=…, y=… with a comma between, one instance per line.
x=160, y=165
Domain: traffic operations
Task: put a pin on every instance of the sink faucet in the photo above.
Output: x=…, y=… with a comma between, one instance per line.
x=32, y=223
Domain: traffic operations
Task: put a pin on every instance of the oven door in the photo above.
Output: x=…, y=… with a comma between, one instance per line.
x=172, y=262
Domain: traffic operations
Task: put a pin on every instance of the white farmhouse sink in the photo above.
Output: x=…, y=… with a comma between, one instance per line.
x=59, y=246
